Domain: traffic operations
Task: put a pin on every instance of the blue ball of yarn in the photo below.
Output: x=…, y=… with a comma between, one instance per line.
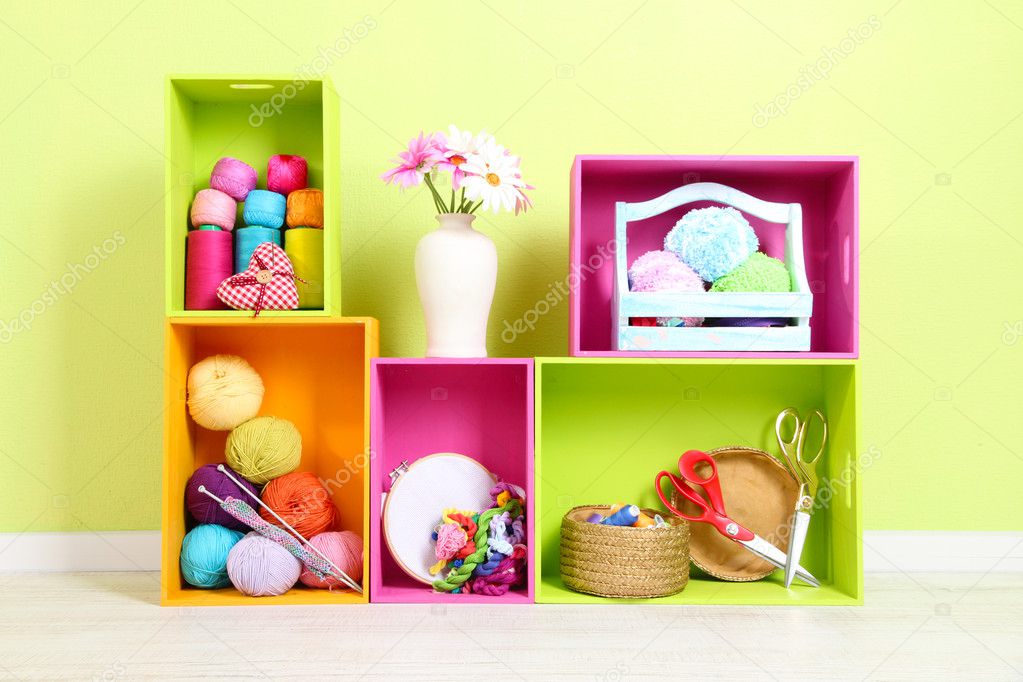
x=265, y=208
x=204, y=555
x=712, y=241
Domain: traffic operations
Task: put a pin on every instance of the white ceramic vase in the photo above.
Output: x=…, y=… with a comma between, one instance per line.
x=456, y=273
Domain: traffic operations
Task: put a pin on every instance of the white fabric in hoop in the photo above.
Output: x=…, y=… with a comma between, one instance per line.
x=413, y=507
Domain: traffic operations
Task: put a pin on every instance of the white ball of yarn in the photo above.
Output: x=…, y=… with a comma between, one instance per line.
x=223, y=392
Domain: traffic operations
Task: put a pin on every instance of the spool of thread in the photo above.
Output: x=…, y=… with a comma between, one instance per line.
x=345, y=550
x=304, y=246
x=264, y=208
x=259, y=567
x=206, y=510
x=285, y=173
x=305, y=208
x=626, y=516
x=246, y=239
x=233, y=177
x=207, y=227
x=207, y=264
x=223, y=392
x=264, y=448
x=643, y=521
x=213, y=207
x=594, y=518
x=204, y=554
x=301, y=500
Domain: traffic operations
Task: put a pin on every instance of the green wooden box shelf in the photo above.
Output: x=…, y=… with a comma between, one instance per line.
x=251, y=118
x=606, y=426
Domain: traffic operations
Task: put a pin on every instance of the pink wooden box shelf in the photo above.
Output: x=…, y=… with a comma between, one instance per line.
x=825, y=186
x=481, y=408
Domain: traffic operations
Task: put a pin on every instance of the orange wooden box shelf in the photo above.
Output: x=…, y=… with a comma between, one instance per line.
x=316, y=373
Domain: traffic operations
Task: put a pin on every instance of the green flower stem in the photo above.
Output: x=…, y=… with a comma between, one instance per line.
x=437, y=201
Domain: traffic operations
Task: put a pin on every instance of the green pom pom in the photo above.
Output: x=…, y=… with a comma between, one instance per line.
x=759, y=272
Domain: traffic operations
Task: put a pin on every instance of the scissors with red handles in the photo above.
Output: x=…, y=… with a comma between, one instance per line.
x=688, y=484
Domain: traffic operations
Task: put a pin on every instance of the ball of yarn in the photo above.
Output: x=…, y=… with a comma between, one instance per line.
x=712, y=241
x=344, y=549
x=213, y=207
x=285, y=173
x=233, y=177
x=663, y=271
x=264, y=209
x=223, y=392
x=305, y=208
x=759, y=272
x=302, y=501
x=204, y=555
x=264, y=448
x=259, y=567
x=206, y=510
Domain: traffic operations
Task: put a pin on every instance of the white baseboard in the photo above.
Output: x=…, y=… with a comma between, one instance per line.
x=883, y=551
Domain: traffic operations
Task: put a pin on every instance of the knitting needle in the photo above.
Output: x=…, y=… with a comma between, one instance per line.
x=351, y=583
x=343, y=577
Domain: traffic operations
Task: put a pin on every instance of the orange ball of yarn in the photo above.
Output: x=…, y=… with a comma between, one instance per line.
x=305, y=208
x=300, y=499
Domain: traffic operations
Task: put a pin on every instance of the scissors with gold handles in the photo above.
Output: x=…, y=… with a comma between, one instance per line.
x=804, y=469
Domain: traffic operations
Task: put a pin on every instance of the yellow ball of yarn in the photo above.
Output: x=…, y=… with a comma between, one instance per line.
x=264, y=448
x=223, y=392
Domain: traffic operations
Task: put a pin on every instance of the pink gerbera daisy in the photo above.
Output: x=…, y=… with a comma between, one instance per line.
x=415, y=162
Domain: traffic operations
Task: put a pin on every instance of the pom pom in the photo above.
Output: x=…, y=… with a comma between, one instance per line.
x=223, y=392
x=759, y=272
x=213, y=207
x=265, y=209
x=663, y=271
x=302, y=501
x=204, y=555
x=345, y=550
x=205, y=509
x=233, y=177
x=712, y=241
x=264, y=448
x=305, y=208
x=259, y=567
x=285, y=173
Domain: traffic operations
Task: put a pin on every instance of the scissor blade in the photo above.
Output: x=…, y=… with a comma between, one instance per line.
x=768, y=552
x=800, y=522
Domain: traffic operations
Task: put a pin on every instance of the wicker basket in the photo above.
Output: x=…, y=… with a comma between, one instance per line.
x=623, y=562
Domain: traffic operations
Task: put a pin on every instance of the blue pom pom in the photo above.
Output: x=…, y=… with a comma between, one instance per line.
x=433, y=536
x=457, y=563
x=457, y=590
x=712, y=241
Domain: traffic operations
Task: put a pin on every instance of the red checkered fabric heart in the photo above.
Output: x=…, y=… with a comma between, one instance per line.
x=267, y=284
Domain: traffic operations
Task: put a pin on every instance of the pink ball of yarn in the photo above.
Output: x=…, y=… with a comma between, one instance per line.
x=663, y=271
x=213, y=207
x=234, y=178
x=285, y=173
x=344, y=549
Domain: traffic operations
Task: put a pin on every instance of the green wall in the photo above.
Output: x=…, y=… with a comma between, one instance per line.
x=930, y=100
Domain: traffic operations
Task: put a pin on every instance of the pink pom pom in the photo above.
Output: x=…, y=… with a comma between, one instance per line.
x=213, y=207
x=234, y=178
x=663, y=271
x=286, y=173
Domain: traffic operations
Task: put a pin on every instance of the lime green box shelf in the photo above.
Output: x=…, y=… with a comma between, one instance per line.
x=251, y=118
x=606, y=426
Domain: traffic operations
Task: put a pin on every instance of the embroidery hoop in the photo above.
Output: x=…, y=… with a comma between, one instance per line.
x=413, y=506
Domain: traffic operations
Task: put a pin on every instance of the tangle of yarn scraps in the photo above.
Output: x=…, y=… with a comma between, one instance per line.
x=492, y=558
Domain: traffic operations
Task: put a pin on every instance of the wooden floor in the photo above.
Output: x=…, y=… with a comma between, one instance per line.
x=108, y=626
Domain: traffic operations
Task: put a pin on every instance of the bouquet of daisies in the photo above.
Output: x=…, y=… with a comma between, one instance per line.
x=483, y=173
